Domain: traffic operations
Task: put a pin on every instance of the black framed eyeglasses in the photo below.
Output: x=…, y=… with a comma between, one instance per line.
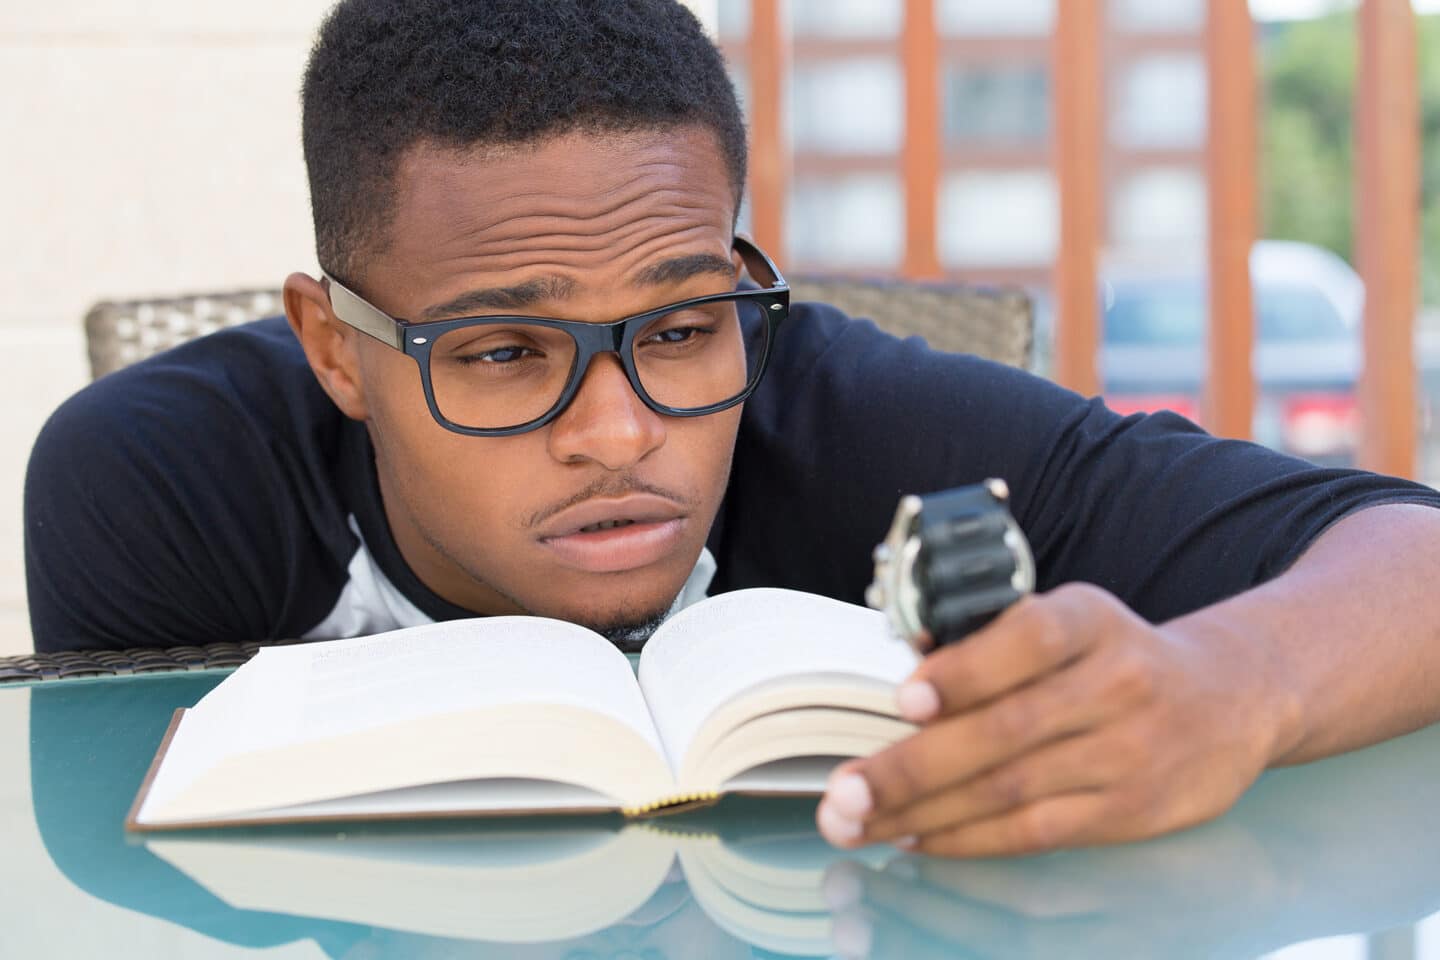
x=496, y=376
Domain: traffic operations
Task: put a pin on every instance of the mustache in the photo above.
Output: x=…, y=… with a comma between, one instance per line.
x=608, y=487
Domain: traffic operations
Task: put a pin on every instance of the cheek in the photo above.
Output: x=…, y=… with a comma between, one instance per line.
x=446, y=479
x=709, y=450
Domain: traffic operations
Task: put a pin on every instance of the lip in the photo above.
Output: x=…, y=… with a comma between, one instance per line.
x=656, y=528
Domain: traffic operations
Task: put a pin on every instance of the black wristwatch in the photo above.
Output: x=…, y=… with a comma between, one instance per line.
x=950, y=564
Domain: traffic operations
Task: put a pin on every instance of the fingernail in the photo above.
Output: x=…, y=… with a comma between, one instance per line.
x=843, y=886
x=918, y=701
x=907, y=843
x=835, y=826
x=849, y=795
x=850, y=932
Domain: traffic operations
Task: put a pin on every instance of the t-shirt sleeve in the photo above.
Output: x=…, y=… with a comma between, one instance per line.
x=1149, y=507
x=159, y=512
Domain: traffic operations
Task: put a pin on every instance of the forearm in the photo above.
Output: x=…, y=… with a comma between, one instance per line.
x=1346, y=644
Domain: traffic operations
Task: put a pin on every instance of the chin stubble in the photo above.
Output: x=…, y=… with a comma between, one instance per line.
x=630, y=637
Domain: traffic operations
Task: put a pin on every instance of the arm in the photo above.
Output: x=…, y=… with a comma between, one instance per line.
x=1072, y=721
x=1349, y=636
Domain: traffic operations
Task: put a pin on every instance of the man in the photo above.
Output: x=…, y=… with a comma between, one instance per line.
x=1209, y=608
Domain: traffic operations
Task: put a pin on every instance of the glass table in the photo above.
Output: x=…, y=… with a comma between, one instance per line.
x=1339, y=859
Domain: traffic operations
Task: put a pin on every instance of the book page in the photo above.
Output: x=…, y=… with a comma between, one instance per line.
x=720, y=647
x=308, y=692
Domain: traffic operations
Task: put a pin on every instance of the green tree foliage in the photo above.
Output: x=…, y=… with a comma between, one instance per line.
x=1308, y=144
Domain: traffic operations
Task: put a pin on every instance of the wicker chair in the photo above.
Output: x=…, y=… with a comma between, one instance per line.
x=120, y=332
x=993, y=324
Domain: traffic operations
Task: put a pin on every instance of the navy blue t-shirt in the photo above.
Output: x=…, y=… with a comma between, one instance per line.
x=214, y=492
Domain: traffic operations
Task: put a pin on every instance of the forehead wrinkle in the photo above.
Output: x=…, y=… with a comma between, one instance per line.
x=585, y=235
x=567, y=229
x=643, y=238
x=628, y=249
x=517, y=212
x=538, y=212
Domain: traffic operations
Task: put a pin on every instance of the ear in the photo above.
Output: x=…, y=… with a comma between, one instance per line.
x=332, y=347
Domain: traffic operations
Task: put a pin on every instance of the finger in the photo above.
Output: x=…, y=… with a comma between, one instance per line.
x=1034, y=637
x=1069, y=765
x=953, y=750
x=1073, y=819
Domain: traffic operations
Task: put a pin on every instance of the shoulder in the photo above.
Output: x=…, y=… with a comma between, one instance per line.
x=247, y=372
x=842, y=387
x=233, y=406
x=194, y=483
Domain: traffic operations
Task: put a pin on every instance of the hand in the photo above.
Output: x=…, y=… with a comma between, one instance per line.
x=1068, y=721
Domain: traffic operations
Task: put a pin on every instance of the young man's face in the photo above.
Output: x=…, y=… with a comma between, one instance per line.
x=494, y=523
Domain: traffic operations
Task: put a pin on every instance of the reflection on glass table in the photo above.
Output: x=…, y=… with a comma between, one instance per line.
x=1341, y=847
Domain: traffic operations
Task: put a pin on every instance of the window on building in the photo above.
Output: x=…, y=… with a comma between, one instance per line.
x=999, y=218
x=845, y=18
x=1162, y=208
x=1004, y=103
x=732, y=19
x=850, y=222
x=1160, y=100
x=963, y=17
x=852, y=106
x=1158, y=16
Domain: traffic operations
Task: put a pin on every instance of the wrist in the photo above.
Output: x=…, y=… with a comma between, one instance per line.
x=1252, y=677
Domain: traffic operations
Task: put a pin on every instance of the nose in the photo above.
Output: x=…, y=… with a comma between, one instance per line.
x=606, y=422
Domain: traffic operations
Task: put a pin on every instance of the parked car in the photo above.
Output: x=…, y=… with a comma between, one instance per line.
x=1307, y=357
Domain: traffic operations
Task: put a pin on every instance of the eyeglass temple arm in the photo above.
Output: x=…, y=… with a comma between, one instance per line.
x=769, y=274
x=355, y=310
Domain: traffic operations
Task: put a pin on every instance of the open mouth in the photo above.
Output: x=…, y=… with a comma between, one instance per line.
x=605, y=525
x=612, y=546
x=615, y=534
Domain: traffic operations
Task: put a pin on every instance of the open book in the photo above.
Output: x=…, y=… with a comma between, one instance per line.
x=758, y=691
x=756, y=875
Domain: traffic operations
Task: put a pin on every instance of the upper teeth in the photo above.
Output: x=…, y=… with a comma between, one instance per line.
x=607, y=524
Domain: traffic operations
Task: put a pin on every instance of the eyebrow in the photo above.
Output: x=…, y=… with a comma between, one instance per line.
x=515, y=297
x=522, y=295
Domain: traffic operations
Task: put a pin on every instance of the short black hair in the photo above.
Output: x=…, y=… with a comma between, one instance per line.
x=386, y=75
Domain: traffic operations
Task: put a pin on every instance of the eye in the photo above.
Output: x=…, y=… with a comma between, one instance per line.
x=676, y=335
x=499, y=355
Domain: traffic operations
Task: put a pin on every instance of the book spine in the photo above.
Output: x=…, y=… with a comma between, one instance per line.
x=686, y=800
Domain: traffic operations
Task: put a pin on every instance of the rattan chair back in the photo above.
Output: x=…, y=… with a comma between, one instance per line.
x=120, y=332
x=997, y=324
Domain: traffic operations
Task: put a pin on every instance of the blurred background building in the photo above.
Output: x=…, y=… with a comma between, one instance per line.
x=998, y=213
x=998, y=206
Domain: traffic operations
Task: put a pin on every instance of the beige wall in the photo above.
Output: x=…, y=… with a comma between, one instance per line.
x=150, y=147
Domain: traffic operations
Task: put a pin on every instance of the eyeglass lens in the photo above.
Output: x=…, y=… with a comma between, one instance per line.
x=494, y=376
